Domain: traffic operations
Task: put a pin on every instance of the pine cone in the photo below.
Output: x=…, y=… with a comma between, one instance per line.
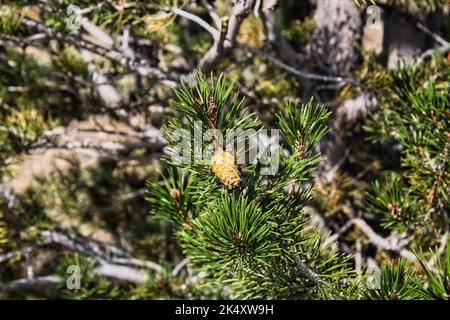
x=224, y=167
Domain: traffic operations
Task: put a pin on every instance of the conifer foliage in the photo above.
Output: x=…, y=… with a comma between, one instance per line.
x=255, y=232
x=415, y=200
x=203, y=149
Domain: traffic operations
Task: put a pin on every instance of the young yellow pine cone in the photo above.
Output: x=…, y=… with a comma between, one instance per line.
x=224, y=167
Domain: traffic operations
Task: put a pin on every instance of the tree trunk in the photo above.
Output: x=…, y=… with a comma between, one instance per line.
x=338, y=33
x=333, y=50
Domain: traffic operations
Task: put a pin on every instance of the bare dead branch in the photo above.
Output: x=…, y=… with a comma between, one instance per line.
x=140, y=64
x=305, y=270
x=390, y=244
x=444, y=43
x=222, y=45
x=25, y=284
x=205, y=25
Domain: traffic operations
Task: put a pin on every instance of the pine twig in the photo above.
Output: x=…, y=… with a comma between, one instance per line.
x=305, y=270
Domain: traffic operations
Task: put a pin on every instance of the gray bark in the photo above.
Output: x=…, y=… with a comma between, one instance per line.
x=333, y=49
x=338, y=33
x=402, y=40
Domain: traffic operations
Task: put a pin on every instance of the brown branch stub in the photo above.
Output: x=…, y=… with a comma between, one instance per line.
x=212, y=112
x=389, y=244
x=175, y=194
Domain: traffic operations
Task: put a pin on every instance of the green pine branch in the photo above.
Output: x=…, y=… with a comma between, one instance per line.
x=256, y=231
